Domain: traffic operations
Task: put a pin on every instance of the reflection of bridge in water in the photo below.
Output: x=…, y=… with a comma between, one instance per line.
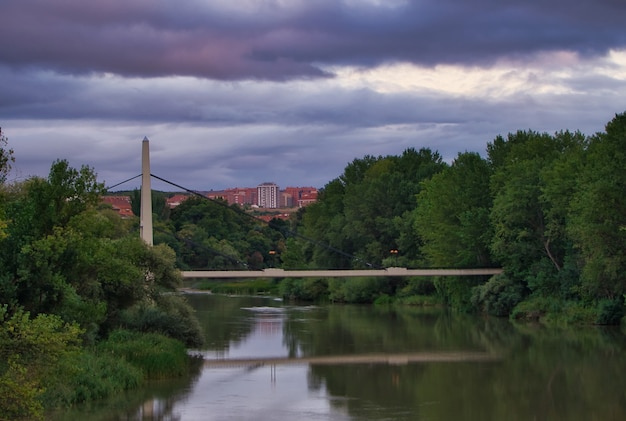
x=390, y=359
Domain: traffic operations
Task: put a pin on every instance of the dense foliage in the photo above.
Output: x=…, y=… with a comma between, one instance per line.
x=72, y=272
x=549, y=209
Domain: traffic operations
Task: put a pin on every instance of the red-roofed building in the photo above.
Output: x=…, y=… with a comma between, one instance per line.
x=176, y=200
x=299, y=196
x=120, y=204
x=307, y=198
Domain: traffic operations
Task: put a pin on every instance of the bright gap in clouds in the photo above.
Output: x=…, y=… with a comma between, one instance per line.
x=546, y=74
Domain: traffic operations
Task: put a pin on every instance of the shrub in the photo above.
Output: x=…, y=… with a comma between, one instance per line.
x=20, y=393
x=156, y=355
x=28, y=347
x=86, y=376
x=553, y=311
x=307, y=289
x=172, y=317
x=456, y=291
x=610, y=312
x=357, y=290
x=384, y=299
x=498, y=296
x=418, y=286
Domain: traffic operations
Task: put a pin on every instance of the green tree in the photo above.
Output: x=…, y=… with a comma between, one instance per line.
x=29, y=346
x=598, y=222
x=527, y=227
x=452, y=214
x=6, y=158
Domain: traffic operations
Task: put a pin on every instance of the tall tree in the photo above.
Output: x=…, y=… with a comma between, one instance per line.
x=527, y=226
x=6, y=158
x=452, y=214
x=598, y=222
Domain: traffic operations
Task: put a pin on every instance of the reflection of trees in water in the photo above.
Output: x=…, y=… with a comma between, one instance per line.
x=544, y=373
x=222, y=319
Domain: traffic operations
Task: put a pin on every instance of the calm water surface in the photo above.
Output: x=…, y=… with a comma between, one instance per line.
x=536, y=373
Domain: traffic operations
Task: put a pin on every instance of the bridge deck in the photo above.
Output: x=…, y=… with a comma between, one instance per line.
x=281, y=273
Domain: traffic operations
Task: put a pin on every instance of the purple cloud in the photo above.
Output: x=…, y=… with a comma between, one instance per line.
x=277, y=41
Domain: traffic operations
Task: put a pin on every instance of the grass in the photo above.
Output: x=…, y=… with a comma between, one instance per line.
x=249, y=287
x=157, y=356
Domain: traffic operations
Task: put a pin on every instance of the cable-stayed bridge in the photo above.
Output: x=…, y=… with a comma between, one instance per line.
x=345, y=273
x=146, y=232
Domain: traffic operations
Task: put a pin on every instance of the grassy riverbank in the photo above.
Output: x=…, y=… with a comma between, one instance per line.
x=44, y=365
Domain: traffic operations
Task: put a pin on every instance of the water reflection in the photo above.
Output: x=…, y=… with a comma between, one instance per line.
x=541, y=374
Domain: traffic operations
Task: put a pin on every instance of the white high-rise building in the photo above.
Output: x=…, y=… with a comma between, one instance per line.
x=267, y=195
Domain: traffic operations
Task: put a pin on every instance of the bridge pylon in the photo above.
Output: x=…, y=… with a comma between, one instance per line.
x=145, y=219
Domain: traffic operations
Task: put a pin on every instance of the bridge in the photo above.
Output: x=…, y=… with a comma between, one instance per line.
x=281, y=273
x=146, y=233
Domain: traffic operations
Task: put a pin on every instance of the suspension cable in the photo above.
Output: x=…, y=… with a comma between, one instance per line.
x=125, y=181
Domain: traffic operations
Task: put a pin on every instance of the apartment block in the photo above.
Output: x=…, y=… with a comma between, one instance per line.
x=268, y=195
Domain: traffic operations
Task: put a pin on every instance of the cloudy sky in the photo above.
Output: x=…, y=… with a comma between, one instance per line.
x=239, y=92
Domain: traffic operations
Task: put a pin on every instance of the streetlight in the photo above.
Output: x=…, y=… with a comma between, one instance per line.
x=273, y=254
x=394, y=252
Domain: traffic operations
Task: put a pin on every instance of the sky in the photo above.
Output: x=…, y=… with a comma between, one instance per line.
x=234, y=93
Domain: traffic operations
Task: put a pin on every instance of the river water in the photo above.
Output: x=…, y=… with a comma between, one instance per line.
x=373, y=363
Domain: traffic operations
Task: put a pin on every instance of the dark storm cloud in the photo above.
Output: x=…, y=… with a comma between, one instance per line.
x=293, y=39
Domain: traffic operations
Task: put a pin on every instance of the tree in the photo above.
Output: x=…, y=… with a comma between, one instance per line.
x=452, y=214
x=598, y=221
x=6, y=158
x=529, y=187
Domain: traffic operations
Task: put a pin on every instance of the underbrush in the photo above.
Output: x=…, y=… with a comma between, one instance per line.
x=171, y=316
x=155, y=355
x=420, y=301
x=558, y=312
x=87, y=376
x=252, y=287
x=122, y=362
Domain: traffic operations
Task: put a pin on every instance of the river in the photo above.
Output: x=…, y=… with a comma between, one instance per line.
x=341, y=362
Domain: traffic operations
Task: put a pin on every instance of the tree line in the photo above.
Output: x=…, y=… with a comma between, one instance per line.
x=549, y=209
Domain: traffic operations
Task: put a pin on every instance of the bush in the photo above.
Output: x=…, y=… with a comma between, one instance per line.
x=20, y=394
x=28, y=348
x=250, y=287
x=456, y=291
x=553, y=311
x=155, y=355
x=307, y=289
x=172, y=317
x=610, y=312
x=86, y=376
x=418, y=286
x=498, y=296
x=357, y=290
x=384, y=300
